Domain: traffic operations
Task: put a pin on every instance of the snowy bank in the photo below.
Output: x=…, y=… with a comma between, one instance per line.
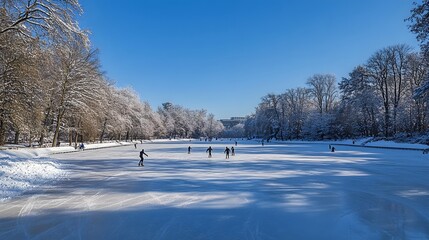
x=26, y=169
x=364, y=142
x=23, y=169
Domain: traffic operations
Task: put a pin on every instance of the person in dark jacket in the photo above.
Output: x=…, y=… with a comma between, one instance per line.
x=142, y=153
x=227, y=152
x=232, y=151
x=189, y=150
x=209, y=150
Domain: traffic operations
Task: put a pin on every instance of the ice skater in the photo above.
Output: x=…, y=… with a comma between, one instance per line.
x=189, y=150
x=232, y=151
x=209, y=150
x=135, y=145
x=142, y=153
x=227, y=152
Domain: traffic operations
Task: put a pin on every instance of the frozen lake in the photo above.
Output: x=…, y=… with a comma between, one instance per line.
x=276, y=191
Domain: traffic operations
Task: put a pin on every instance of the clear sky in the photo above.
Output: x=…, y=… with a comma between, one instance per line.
x=224, y=55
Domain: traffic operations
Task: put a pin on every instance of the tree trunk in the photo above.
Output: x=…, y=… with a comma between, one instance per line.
x=394, y=123
x=103, y=130
x=75, y=138
x=2, y=132
x=45, y=125
x=70, y=137
x=57, y=127
x=16, y=140
x=42, y=138
x=386, y=121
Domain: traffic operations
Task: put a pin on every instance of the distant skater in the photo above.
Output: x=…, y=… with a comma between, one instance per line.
x=189, y=150
x=209, y=150
x=235, y=143
x=142, y=153
x=232, y=151
x=333, y=149
x=262, y=142
x=135, y=145
x=227, y=152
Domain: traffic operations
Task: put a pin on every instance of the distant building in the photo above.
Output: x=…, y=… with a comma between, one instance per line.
x=229, y=123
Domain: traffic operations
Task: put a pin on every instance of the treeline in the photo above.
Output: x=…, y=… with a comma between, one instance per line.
x=387, y=96
x=52, y=88
x=383, y=97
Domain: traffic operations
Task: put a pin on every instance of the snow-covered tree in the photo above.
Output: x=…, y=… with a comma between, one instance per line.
x=236, y=131
x=55, y=19
x=76, y=83
x=20, y=83
x=297, y=103
x=323, y=89
x=359, y=104
x=214, y=127
x=388, y=69
x=416, y=97
x=419, y=20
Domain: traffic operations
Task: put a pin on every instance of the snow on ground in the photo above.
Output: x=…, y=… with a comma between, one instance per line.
x=25, y=169
x=383, y=143
x=276, y=191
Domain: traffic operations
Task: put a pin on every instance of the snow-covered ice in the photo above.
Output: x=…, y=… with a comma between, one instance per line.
x=276, y=191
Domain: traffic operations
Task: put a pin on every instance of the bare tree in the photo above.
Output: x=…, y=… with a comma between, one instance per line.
x=297, y=102
x=417, y=72
x=323, y=89
x=388, y=68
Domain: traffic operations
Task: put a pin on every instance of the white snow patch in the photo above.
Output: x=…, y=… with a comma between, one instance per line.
x=24, y=170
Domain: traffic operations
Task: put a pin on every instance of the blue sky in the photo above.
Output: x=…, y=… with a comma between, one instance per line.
x=224, y=55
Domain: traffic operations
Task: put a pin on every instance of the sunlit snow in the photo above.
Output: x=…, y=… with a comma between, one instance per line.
x=276, y=191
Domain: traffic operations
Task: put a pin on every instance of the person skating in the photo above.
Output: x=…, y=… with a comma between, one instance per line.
x=209, y=150
x=142, y=153
x=232, y=151
x=227, y=152
x=189, y=150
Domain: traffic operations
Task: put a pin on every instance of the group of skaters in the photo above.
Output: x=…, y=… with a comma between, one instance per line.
x=210, y=150
x=226, y=151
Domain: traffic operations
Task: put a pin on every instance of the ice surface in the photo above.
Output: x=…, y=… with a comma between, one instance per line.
x=276, y=191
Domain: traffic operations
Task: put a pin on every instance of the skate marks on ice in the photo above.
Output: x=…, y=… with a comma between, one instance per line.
x=275, y=192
